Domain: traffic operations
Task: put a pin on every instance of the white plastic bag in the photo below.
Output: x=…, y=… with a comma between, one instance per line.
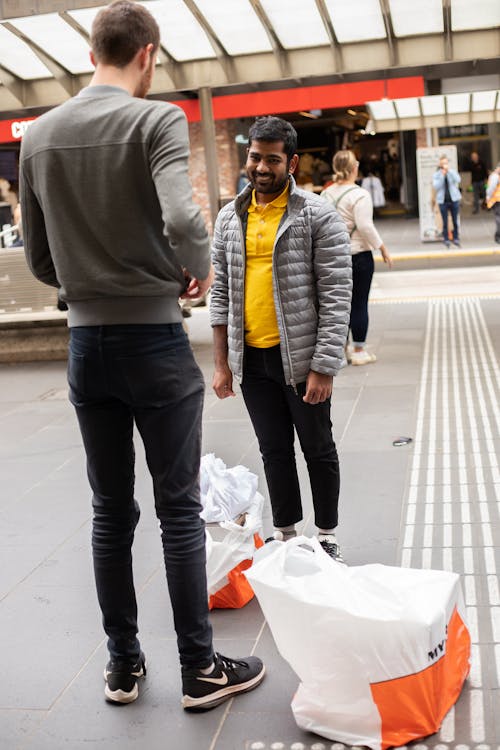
x=381, y=652
x=225, y=493
x=227, y=558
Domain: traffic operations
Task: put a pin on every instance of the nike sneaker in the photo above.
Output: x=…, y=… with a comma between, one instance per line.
x=121, y=678
x=228, y=678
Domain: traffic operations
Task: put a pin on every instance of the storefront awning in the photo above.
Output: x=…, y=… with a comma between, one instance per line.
x=445, y=110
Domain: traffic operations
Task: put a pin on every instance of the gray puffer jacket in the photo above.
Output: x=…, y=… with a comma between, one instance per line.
x=312, y=282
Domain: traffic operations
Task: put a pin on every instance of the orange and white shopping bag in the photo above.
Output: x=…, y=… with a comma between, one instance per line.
x=381, y=652
x=228, y=557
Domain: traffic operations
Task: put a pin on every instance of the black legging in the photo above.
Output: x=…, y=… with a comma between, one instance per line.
x=362, y=274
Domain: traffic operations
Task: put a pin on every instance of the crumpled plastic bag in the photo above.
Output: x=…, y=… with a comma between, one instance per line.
x=228, y=558
x=225, y=493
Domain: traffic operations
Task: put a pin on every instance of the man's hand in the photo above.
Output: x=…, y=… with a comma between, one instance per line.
x=318, y=387
x=223, y=382
x=196, y=288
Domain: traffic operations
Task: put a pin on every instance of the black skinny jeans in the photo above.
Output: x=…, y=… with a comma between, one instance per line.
x=275, y=409
x=362, y=274
x=147, y=375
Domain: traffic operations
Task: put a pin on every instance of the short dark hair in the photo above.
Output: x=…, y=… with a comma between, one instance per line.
x=120, y=30
x=270, y=129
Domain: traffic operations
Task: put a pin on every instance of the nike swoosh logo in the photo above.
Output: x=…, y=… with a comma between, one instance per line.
x=216, y=680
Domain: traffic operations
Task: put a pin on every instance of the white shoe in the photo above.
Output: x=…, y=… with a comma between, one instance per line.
x=348, y=352
x=362, y=358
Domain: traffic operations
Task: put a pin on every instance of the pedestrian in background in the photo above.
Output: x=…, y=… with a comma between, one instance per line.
x=279, y=309
x=109, y=220
x=445, y=182
x=493, y=198
x=479, y=175
x=355, y=206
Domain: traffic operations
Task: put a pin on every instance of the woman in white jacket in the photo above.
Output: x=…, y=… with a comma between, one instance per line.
x=355, y=206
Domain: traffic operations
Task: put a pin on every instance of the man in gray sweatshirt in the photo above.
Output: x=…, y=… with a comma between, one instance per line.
x=109, y=220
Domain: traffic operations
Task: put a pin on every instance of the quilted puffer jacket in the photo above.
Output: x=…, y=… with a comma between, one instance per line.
x=312, y=282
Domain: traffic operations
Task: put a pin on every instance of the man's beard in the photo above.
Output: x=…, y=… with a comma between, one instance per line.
x=145, y=83
x=272, y=185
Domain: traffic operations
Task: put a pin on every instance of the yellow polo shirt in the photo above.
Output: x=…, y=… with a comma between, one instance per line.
x=261, y=325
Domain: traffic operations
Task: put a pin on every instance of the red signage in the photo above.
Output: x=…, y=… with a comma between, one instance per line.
x=13, y=130
x=305, y=98
x=274, y=102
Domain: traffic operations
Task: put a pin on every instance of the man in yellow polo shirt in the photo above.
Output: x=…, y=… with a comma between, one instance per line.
x=279, y=310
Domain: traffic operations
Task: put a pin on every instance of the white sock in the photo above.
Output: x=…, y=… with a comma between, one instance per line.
x=326, y=532
x=287, y=532
x=208, y=670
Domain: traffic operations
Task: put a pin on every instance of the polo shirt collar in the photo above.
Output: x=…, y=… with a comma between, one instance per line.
x=281, y=201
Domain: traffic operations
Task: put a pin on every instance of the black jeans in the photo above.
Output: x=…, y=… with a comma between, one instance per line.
x=479, y=193
x=496, y=211
x=453, y=209
x=145, y=374
x=275, y=409
x=362, y=274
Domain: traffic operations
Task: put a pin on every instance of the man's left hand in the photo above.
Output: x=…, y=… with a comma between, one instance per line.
x=197, y=288
x=318, y=387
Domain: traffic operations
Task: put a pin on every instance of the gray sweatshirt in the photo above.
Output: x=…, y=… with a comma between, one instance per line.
x=108, y=215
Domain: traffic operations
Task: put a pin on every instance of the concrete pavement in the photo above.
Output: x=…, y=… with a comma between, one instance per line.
x=433, y=503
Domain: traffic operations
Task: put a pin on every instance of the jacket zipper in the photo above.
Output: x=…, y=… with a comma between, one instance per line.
x=292, y=380
x=242, y=322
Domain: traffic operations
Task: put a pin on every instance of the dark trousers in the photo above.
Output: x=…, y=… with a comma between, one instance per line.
x=479, y=193
x=451, y=208
x=147, y=375
x=275, y=409
x=496, y=211
x=362, y=274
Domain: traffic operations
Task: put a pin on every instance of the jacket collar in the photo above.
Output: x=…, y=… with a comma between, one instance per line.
x=243, y=200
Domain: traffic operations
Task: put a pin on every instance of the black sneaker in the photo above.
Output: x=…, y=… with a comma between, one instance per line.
x=121, y=679
x=229, y=677
x=331, y=546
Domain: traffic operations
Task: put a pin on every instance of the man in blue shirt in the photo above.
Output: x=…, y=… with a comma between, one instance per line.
x=446, y=182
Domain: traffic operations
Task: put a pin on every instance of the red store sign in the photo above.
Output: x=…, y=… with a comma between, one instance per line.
x=12, y=131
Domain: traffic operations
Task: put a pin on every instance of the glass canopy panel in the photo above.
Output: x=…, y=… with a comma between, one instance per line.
x=432, y=105
x=58, y=39
x=299, y=26
x=236, y=25
x=483, y=100
x=181, y=34
x=476, y=14
x=356, y=21
x=383, y=109
x=17, y=57
x=457, y=103
x=85, y=16
x=422, y=17
x=407, y=107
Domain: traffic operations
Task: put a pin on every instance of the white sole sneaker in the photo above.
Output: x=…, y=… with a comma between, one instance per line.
x=362, y=358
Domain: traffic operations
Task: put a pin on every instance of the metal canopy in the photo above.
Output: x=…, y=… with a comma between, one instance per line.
x=225, y=43
x=435, y=111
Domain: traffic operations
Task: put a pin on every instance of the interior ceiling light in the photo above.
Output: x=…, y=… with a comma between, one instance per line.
x=352, y=112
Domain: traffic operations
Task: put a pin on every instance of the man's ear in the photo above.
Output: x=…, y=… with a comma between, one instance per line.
x=92, y=58
x=144, y=55
x=294, y=161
